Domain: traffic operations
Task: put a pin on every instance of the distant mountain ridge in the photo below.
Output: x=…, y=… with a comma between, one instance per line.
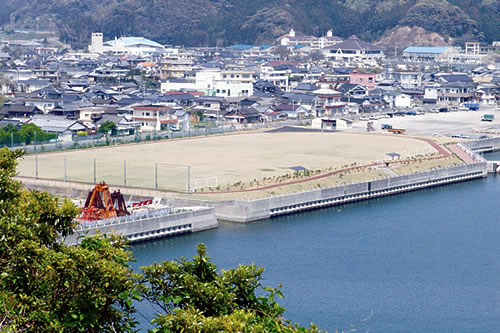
x=220, y=22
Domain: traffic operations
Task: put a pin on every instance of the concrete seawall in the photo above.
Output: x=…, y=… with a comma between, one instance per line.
x=151, y=225
x=483, y=145
x=246, y=211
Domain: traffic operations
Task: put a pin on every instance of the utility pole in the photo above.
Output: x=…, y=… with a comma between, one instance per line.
x=188, y=188
x=36, y=157
x=124, y=172
x=156, y=176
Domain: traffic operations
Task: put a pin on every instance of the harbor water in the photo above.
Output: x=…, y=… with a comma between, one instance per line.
x=424, y=261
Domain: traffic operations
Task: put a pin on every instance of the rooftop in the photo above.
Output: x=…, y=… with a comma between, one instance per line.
x=426, y=49
x=133, y=41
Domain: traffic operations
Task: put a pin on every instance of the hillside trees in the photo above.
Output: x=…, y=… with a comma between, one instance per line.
x=258, y=21
x=439, y=16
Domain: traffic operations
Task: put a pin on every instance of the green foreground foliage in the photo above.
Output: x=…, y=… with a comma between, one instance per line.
x=194, y=297
x=47, y=286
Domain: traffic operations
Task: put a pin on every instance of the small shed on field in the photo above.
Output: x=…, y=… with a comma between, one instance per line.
x=331, y=123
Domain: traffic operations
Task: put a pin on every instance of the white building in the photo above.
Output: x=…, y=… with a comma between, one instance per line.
x=411, y=80
x=124, y=45
x=215, y=82
x=154, y=117
x=316, y=43
x=402, y=101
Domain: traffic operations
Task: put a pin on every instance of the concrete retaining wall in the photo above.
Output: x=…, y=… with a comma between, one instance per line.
x=245, y=211
x=140, y=227
x=483, y=145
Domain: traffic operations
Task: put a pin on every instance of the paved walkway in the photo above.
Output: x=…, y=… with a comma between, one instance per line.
x=462, y=154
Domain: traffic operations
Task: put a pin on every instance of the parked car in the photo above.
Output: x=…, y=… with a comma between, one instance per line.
x=400, y=113
x=364, y=118
x=386, y=126
x=434, y=110
x=411, y=113
x=453, y=109
x=472, y=106
x=443, y=110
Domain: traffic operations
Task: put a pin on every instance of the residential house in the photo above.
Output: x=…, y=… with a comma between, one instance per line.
x=42, y=103
x=293, y=111
x=154, y=117
x=486, y=94
x=244, y=116
x=66, y=110
x=410, y=80
x=212, y=103
x=19, y=111
x=364, y=79
x=65, y=128
x=456, y=93
x=124, y=125
x=78, y=85
x=88, y=116
x=33, y=85
x=353, y=91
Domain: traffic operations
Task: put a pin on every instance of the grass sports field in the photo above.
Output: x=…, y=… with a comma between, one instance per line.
x=219, y=160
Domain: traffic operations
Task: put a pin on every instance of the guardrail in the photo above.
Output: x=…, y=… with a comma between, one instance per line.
x=136, y=217
x=475, y=156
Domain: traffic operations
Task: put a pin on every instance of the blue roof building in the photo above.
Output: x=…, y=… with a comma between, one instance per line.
x=426, y=49
x=428, y=53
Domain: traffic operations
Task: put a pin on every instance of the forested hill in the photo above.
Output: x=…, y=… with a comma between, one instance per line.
x=225, y=22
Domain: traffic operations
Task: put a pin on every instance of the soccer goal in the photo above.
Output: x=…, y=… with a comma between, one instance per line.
x=208, y=182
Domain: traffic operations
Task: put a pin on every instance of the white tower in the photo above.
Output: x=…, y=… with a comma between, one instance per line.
x=292, y=33
x=96, y=45
x=329, y=33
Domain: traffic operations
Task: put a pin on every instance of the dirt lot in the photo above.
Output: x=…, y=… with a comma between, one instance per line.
x=440, y=124
x=230, y=158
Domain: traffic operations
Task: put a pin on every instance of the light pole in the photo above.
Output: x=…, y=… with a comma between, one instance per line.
x=36, y=157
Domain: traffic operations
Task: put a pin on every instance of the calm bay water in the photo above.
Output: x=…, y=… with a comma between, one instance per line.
x=426, y=261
